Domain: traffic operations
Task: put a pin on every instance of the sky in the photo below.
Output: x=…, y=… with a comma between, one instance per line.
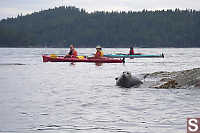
x=11, y=8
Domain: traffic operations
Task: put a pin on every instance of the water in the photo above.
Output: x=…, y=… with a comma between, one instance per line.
x=61, y=97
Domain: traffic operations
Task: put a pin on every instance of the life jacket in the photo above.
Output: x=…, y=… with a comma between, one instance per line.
x=99, y=54
x=73, y=53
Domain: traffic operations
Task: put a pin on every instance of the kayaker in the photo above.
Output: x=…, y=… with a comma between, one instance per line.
x=131, y=51
x=72, y=52
x=99, y=52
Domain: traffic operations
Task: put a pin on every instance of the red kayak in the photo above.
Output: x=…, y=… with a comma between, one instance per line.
x=47, y=58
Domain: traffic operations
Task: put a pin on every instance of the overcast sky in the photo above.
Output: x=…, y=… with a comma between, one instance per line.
x=11, y=8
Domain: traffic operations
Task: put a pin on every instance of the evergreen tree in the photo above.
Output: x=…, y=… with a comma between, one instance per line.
x=61, y=25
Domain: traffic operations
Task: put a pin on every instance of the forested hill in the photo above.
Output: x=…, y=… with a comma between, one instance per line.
x=62, y=26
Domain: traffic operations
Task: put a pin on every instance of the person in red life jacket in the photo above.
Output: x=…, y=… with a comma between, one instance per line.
x=72, y=52
x=131, y=51
x=99, y=52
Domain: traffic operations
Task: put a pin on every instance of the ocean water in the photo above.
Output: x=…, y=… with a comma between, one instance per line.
x=83, y=98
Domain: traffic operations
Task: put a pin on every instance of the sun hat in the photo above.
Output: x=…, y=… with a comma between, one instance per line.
x=98, y=46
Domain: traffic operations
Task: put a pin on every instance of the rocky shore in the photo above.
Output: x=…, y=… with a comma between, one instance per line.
x=179, y=79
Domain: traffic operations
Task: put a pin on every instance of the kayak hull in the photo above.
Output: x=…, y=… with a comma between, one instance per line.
x=47, y=58
x=133, y=56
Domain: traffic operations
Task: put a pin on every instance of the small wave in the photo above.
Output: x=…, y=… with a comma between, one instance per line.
x=53, y=126
x=7, y=131
x=8, y=64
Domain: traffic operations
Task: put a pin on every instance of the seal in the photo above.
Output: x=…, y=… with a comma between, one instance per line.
x=126, y=80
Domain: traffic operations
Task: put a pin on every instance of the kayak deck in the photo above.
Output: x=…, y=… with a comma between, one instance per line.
x=47, y=58
x=134, y=56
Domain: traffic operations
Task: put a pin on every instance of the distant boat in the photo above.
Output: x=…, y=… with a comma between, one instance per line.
x=135, y=56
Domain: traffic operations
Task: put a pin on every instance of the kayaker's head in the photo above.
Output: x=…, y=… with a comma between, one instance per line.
x=98, y=48
x=131, y=48
x=71, y=47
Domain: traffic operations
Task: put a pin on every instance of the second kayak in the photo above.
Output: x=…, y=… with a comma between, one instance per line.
x=134, y=56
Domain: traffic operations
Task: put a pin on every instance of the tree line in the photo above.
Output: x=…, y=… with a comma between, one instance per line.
x=64, y=25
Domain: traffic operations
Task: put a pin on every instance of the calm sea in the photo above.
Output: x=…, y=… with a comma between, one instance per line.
x=37, y=97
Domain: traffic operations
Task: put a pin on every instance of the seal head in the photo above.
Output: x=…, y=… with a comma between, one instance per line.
x=126, y=80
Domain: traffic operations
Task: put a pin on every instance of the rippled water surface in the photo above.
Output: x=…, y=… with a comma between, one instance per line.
x=82, y=97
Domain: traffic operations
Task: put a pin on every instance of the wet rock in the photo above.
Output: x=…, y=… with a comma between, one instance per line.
x=169, y=84
x=179, y=79
x=197, y=85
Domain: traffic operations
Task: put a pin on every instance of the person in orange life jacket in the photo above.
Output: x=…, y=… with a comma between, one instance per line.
x=72, y=52
x=131, y=51
x=99, y=52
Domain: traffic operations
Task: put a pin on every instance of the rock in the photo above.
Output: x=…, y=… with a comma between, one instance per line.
x=169, y=84
x=179, y=79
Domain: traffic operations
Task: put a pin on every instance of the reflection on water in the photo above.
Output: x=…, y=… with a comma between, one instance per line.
x=83, y=97
x=98, y=64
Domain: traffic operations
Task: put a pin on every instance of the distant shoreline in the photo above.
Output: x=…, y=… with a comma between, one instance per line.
x=62, y=26
x=103, y=47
